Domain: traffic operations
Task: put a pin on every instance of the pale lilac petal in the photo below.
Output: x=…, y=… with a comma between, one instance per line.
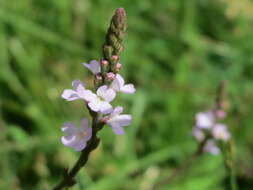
x=94, y=106
x=205, y=120
x=118, y=130
x=198, y=134
x=211, y=147
x=106, y=93
x=120, y=120
x=105, y=107
x=69, y=128
x=80, y=88
x=76, y=83
x=80, y=145
x=118, y=110
x=68, y=140
x=128, y=88
x=89, y=96
x=77, y=137
x=117, y=83
x=220, y=132
x=84, y=124
x=89, y=134
x=93, y=66
x=69, y=95
x=120, y=79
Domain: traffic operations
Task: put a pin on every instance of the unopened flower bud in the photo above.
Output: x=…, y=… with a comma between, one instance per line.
x=110, y=76
x=98, y=80
x=104, y=120
x=115, y=58
x=98, y=76
x=104, y=66
x=220, y=114
x=118, y=67
x=104, y=62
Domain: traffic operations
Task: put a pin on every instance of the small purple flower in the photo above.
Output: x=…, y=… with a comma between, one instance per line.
x=118, y=84
x=76, y=137
x=205, y=120
x=198, y=134
x=117, y=121
x=78, y=92
x=211, y=147
x=220, y=132
x=100, y=102
x=94, y=66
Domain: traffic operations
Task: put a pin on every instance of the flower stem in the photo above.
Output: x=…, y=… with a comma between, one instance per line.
x=229, y=159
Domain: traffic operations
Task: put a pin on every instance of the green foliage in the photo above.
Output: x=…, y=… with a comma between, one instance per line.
x=176, y=52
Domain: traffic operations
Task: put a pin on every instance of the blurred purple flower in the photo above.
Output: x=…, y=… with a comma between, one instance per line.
x=211, y=147
x=220, y=132
x=205, y=120
x=198, y=134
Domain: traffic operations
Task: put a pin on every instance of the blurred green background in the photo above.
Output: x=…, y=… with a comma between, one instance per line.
x=176, y=53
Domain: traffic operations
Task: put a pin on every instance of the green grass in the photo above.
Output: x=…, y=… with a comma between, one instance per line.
x=176, y=53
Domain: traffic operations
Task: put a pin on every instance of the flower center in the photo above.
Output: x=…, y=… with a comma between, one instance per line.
x=82, y=134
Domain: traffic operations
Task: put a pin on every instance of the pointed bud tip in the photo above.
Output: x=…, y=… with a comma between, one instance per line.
x=121, y=12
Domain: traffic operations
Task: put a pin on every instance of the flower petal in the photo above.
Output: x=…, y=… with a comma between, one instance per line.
x=70, y=95
x=93, y=66
x=68, y=140
x=198, y=134
x=105, y=107
x=128, y=88
x=117, y=83
x=89, y=96
x=118, y=110
x=69, y=128
x=80, y=145
x=84, y=124
x=120, y=120
x=118, y=130
x=205, y=120
x=89, y=134
x=76, y=83
x=94, y=106
x=211, y=147
x=106, y=93
x=220, y=132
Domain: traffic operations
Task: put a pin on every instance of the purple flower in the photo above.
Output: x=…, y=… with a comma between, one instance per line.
x=76, y=137
x=100, y=102
x=118, y=84
x=97, y=102
x=211, y=147
x=78, y=92
x=205, y=120
x=117, y=121
x=94, y=66
x=198, y=134
x=220, y=132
